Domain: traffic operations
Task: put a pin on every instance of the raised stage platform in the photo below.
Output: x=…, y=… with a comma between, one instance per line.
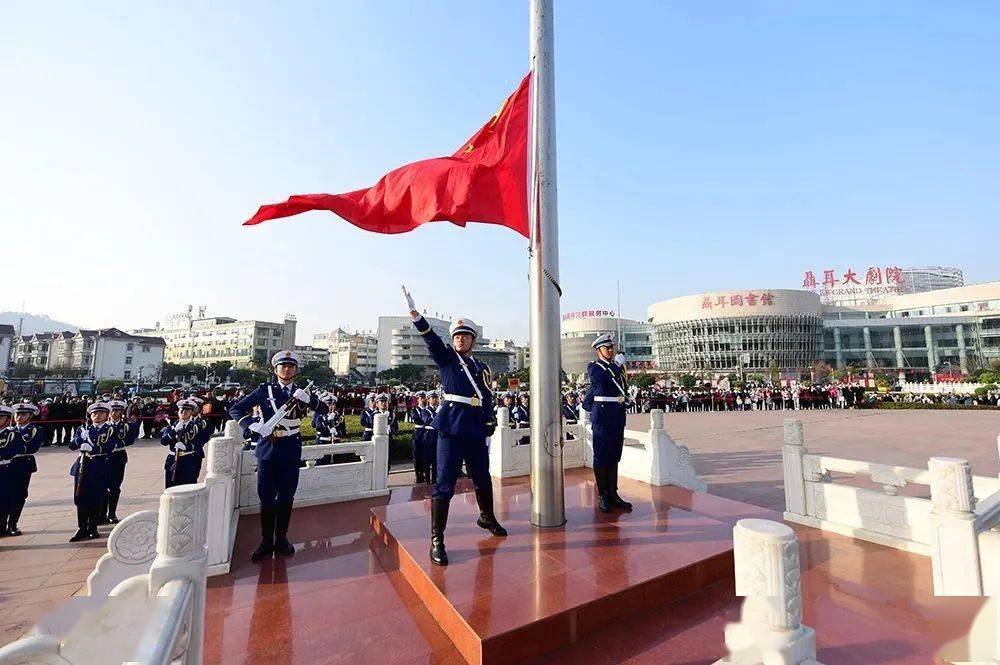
x=513, y=599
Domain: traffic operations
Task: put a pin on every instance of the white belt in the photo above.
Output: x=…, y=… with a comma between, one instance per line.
x=462, y=399
x=600, y=398
x=280, y=433
x=24, y=455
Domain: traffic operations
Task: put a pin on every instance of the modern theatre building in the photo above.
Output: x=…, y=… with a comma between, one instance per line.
x=917, y=332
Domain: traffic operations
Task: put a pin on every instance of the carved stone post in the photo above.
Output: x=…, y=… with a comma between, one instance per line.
x=670, y=463
x=791, y=456
x=500, y=442
x=380, y=437
x=767, y=574
x=954, y=541
x=221, y=482
x=181, y=553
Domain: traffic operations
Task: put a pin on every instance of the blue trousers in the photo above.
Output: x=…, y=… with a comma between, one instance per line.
x=419, y=450
x=430, y=450
x=277, y=481
x=451, y=450
x=187, y=472
x=92, y=482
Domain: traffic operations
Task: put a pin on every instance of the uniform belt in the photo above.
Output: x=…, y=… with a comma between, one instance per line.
x=184, y=453
x=24, y=455
x=92, y=455
x=600, y=398
x=279, y=433
x=462, y=399
x=419, y=426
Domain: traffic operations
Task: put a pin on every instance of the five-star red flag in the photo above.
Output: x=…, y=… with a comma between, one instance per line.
x=484, y=181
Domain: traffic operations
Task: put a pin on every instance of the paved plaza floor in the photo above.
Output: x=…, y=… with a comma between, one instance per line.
x=738, y=454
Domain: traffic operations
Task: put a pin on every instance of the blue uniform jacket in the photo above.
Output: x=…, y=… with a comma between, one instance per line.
x=606, y=380
x=100, y=438
x=284, y=449
x=520, y=416
x=10, y=446
x=455, y=419
x=30, y=438
x=367, y=418
x=193, y=435
x=123, y=434
x=569, y=412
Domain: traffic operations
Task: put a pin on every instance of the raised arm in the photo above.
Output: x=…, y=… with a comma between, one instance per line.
x=437, y=347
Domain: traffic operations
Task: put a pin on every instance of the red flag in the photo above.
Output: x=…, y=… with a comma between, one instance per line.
x=484, y=181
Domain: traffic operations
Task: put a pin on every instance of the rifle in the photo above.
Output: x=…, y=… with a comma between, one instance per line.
x=177, y=456
x=83, y=463
x=268, y=427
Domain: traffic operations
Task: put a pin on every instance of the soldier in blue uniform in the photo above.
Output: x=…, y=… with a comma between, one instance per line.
x=9, y=449
x=606, y=401
x=463, y=423
x=569, y=409
x=186, y=438
x=29, y=437
x=90, y=470
x=280, y=453
x=507, y=401
x=382, y=406
x=125, y=434
x=520, y=415
x=320, y=421
x=416, y=416
x=335, y=420
x=368, y=418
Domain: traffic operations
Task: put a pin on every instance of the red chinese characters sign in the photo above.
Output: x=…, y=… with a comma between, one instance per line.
x=854, y=287
x=738, y=301
x=588, y=314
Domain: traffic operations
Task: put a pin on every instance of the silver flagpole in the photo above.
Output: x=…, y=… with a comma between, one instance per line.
x=548, y=507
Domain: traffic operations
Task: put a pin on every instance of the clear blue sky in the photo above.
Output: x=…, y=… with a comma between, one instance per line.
x=702, y=146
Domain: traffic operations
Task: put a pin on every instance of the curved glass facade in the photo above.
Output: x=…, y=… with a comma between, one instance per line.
x=795, y=341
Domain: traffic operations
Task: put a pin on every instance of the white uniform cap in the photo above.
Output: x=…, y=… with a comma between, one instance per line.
x=26, y=407
x=462, y=326
x=285, y=357
x=99, y=406
x=6, y=410
x=117, y=404
x=603, y=340
x=187, y=404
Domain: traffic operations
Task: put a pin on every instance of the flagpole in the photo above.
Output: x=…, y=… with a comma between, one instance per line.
x=548, y=507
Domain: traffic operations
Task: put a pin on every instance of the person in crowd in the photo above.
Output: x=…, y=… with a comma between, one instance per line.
x=606, y=401
x=431, y=436
x=463, y=425
x=28, y=439
x=278, y=452
x=9, y=449
x=416, y=416
x=186, y=439
x=320, y=421
x=125, y=431
x=570, y=408
x=90, y=470
x=520, y=415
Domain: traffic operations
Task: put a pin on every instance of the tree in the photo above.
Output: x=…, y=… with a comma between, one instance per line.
x=109, y=385
x=687, y=381
x=247, y=377
x=260, y=361
x=220, y=368
x=317, y=372
x=643, y=381
x=772, y=371
x=821, y=371
x=405, y=373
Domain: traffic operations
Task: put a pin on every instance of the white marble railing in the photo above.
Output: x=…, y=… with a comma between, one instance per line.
x=653, y=457
x=770, y=629
x=508, y=458
x=946, y=526
x=328, y=483
x=154, y=618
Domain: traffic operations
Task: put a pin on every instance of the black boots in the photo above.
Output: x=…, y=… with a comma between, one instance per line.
x=601, y=479
x=439, y=520
x=102, y=512
x=487, y=520
x=266, y=547
x=113, y=497
x=92, y=521
x=83, y=525
x=3, y=525
x=283, y=516
x=15, y=515
x=616, y=500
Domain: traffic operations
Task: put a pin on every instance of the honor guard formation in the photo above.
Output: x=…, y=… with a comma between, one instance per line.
x=450, y=429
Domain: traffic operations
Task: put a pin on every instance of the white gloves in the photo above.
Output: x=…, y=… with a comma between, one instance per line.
x=301, y=395
x=86, y=447
x=409, y=303
x=86, y=434
x=180, y=446
x=256, y=427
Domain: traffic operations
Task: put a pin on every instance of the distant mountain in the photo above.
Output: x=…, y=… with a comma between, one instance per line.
x=35, y=323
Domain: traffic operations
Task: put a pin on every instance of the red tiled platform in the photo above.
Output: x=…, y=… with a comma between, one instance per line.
x=513, y=599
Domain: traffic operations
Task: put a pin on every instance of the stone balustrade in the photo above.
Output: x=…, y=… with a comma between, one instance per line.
x=949, y=527
x=155, y=618
x=509, y=458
